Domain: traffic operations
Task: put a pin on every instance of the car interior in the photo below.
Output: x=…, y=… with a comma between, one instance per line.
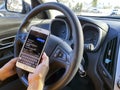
x=83, y=50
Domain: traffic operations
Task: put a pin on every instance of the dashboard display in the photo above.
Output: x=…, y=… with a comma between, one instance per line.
x=91, y=35
x=59, y=28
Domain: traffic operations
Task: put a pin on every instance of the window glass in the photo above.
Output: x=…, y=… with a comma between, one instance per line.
x=94, y=7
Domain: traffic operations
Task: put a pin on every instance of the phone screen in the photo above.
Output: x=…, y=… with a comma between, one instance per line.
x=34, y=43
x=32, y=49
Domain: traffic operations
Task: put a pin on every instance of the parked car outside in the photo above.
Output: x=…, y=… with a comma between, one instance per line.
x=115, y=12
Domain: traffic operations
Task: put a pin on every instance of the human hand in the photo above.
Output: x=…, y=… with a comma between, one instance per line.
x=37, y=78
x=8, y=69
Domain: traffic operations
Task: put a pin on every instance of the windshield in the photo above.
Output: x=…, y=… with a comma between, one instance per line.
x=94, y=7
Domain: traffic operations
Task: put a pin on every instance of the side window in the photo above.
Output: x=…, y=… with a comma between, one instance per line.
x=2, y=7
x=1, y=4
x=5, y=13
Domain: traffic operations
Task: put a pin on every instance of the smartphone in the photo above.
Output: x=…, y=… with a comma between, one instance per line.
x=33, y=48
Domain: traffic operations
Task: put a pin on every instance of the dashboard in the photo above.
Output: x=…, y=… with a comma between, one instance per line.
x=101, y=48
x=93, y=33
x=92, y=36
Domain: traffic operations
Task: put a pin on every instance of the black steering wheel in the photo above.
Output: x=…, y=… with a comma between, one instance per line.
x=70, y=58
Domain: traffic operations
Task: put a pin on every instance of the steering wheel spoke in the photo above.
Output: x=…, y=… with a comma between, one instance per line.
x=60, y=56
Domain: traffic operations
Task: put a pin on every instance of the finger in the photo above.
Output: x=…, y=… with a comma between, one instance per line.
x=14, y=60
x=11, y=63
x=44, y=55
x=43, y=65
x=45, y=58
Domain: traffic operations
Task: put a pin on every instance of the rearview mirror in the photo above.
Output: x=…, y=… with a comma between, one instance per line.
x=14, y=5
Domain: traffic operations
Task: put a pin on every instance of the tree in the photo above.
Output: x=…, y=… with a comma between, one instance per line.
x=63, y=1
x=1, y=2
x=78, y=7
x=94, y=3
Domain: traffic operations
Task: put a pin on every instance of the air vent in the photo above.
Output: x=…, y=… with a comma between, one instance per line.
x=109, y=56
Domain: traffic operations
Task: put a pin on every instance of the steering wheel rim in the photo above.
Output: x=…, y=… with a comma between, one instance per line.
x=77, y=35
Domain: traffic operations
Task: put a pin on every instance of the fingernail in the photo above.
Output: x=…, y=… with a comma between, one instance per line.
x=44, y=53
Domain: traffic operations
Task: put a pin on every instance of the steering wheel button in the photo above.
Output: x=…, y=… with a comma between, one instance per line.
x=64, y=56
x=55, y=55
x=58, y=51
x=60, y=55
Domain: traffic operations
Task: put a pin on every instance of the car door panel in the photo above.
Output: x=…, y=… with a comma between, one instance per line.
x=9, y=26
x=8, y=29
x=6, y=50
